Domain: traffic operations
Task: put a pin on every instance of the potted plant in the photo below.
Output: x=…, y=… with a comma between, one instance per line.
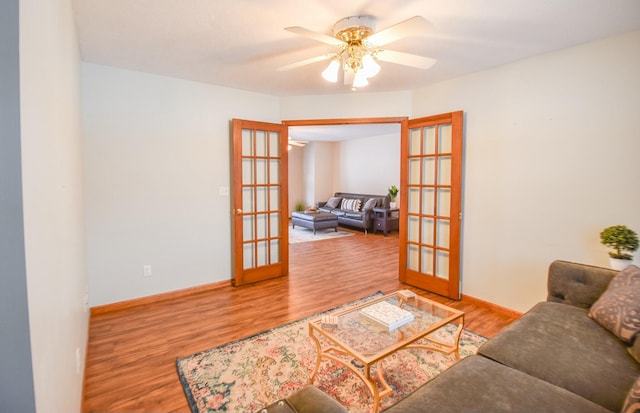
x=393, y=193
x=621, y=239
x=300, y=206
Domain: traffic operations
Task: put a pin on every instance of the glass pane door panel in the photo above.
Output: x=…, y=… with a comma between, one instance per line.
x=427, y=261
x=442, y=233
x=429, y=171
x=247, y=143
x=274, y=171
x=261, y=220
x=262, y=253
x=413, y=201
x=429, y=140
x=247, y=199
x=444, y=139
x=261, y=143
x=248, y=228
x=274, y=198
x=275, y=250
x=413, y=230
x=442, y=264
x=414, y=142
x=275, y=224
x=427, y=231
x=274, y=144
x=412, y=257
x=261, y=171
x=444, y=202
x=247, y=171
x=414, y=171
x=261, y=198
x=248, y=254
x=444, y=170
x=428, y=201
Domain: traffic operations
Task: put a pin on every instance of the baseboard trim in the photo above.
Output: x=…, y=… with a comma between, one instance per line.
x=152, y=299
x=493, y=307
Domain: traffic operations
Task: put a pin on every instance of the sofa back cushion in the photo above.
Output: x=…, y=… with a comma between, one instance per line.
x=577, y=284
x=618, y=308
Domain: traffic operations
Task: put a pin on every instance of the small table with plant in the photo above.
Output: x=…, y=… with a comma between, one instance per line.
x=386, y=220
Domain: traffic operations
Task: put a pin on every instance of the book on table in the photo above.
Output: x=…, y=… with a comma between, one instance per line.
x=389, y=315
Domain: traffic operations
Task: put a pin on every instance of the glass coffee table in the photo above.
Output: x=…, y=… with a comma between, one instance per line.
x=365, y=342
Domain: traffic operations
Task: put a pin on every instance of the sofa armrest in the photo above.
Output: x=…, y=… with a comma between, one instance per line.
x=321, y=203
x=576, y=284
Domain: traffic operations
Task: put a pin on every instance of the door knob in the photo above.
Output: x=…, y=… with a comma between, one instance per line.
x=238, y=211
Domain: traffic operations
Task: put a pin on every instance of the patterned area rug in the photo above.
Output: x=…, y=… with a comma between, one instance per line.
x=300, y=234
x=248, y=374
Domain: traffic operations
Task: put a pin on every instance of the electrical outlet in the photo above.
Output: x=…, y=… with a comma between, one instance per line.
x=224, y=191
x=146, y=270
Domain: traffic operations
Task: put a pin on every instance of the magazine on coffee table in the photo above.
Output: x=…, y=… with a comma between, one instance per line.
x=387, y=314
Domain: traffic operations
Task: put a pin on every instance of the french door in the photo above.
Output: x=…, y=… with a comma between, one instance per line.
x=430, y=211
x=260, y=246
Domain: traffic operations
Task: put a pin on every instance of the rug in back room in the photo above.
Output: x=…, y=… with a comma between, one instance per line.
x=300, y=234
x=248, y=374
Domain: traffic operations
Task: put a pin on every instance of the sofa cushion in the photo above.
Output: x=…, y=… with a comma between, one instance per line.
x=351, y=204
x=477, y=384
x=309, y=399
x=632, y=402
x=618, y=308
x=333, y=202
x=560, y=344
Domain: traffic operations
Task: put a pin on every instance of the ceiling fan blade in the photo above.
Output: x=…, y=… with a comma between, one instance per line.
x=323, y=38
x=414, y=25
x=406, y=59
x=306, y=62
x=300, y=144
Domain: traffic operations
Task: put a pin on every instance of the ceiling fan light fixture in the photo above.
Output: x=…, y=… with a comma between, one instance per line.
x=369, y=66
x=331, y=72
x=360, y=80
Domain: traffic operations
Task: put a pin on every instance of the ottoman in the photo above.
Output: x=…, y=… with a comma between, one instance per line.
x=319, y=220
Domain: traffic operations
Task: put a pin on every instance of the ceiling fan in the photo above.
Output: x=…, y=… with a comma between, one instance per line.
x=359, y=47
x=298, y=143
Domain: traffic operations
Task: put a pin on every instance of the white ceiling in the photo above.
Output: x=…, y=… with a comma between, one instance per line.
x=241, y=43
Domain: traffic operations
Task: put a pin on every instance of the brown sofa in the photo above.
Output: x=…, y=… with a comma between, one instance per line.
x=555, y=358
x=362, y=217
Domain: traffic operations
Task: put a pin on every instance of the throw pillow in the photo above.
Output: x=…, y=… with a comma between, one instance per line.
x=351, y=204
x=370, y=204
x=333, y=202
x=618, y=308
x=632, y=402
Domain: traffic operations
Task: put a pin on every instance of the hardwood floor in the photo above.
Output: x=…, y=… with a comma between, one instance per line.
x=131, y=353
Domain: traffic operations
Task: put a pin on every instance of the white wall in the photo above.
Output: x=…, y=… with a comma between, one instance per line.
x=369, y=165
x=53, y=201
x=551, y=158
x=156, y=154
x=348, y=105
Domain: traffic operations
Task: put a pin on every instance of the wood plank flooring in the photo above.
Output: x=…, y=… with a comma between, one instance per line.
x=131, y=354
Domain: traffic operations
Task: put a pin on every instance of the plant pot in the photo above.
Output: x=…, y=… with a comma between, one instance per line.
x=618, y=264
x=393, y=205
